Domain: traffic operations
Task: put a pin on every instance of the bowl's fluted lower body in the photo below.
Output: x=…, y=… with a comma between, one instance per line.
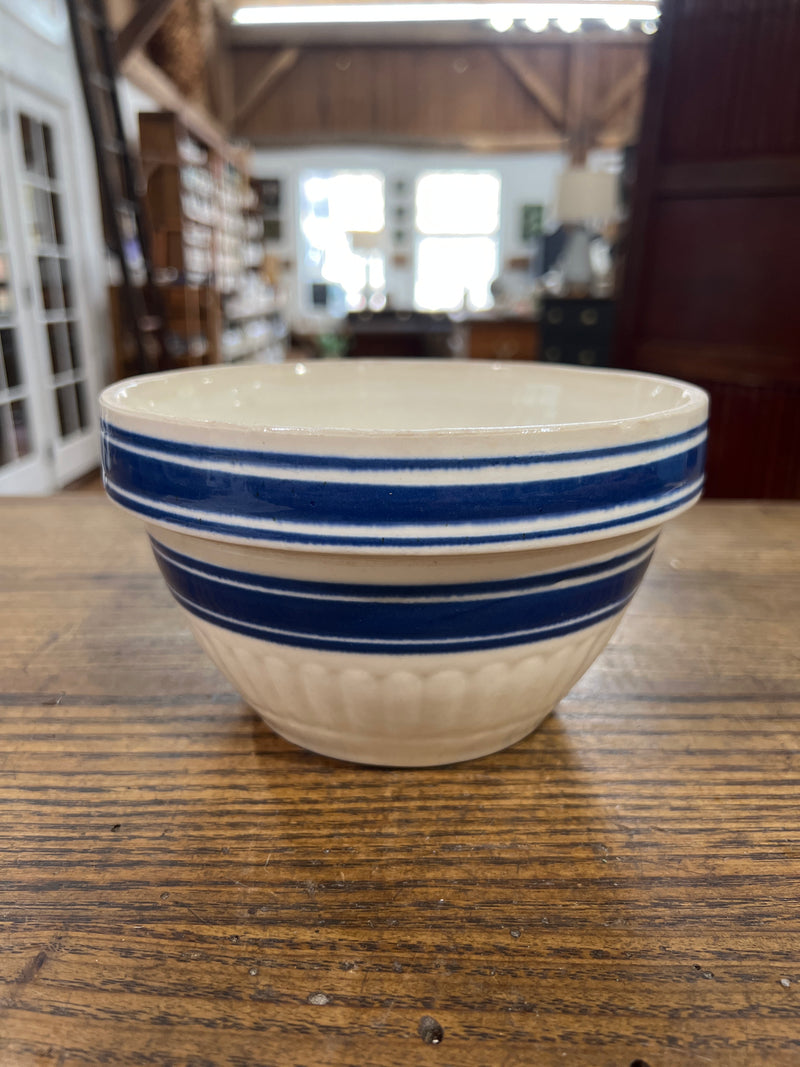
x=403, y=711
x=403, y=661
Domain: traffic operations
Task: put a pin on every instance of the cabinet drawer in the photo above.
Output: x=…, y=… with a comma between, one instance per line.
x=578, y=317
x=503, y=340
x=583, y=354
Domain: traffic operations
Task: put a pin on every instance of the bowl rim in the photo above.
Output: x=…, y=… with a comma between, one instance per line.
x=694, y=401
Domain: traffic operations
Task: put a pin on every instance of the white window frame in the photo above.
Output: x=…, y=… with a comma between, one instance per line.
x=305, y=280
x=420, y=235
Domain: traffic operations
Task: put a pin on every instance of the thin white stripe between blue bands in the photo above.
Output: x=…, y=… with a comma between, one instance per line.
x=536, y=467
x=406, y=644
x=180, y=518
x=612, y=568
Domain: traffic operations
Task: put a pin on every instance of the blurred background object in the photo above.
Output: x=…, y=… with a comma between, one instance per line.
x=260, y=181
x=586, y=202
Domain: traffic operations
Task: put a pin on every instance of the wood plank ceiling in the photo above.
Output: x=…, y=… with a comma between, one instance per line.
x=486, y=97
x=458, y=85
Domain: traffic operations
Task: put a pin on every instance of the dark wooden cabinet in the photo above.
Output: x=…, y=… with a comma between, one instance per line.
x=577, y=331
x=709, y=288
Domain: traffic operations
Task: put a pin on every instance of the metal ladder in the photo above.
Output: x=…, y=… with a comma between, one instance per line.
x=141, y=307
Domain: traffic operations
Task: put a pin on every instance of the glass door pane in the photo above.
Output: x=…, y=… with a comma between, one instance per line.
x=18, y=461
x=49, y=226
x=55, y=297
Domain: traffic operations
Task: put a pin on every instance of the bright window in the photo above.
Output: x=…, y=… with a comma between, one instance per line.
x=457, y=220
x=342, y=218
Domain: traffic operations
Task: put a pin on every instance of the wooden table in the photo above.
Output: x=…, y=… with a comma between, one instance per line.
x=182, y=887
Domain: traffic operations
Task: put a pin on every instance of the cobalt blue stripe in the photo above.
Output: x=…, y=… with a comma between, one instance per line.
x=338, y=589
x=399, y=627
x=386, y=505
x=212, y=526
x=413, y=648
x=299, y=461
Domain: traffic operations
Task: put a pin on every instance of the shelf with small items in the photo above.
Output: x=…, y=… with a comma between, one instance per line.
x=255, y=339
x=207, y=247
x=254, y=327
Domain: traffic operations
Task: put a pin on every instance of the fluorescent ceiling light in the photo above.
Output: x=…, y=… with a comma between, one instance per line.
x=321, y=14
x=537, y=21
x=569, y=22
x=501, y=20
x=619, y=20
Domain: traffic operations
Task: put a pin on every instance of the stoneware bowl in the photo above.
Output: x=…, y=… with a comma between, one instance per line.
x=403, y=562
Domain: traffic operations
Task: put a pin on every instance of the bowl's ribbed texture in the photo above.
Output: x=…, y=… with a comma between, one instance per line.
x=419, y=712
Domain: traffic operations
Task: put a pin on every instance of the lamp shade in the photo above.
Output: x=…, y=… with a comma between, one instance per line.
x=586, y=194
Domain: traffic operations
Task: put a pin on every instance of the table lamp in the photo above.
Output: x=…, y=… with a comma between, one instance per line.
x=584, y=197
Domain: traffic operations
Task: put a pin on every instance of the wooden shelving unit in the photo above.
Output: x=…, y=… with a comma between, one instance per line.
x=207, y=246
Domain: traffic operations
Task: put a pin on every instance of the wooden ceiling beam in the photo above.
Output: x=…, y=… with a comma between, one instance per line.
x=534, y=85
x=141, y=26
x=620, y=93
x=273, y=72
x=220, y=76
x=474, y=142
x=153, y=81
x=579, y=139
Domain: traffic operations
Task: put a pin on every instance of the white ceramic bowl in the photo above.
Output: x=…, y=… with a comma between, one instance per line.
x=403, y=562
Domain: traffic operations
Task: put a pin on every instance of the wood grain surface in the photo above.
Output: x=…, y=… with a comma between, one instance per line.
x=182, y=887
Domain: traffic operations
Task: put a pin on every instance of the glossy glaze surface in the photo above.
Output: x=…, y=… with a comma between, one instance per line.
x=403, y=563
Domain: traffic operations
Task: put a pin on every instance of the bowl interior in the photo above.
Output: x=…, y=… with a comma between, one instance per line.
x=395, y=395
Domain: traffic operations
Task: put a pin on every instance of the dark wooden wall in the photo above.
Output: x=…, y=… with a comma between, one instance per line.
x=489, y=97
x=712, y=281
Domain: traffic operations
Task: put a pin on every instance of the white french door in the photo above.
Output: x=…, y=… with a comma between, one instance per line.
x=47, y=419
x=24, y=435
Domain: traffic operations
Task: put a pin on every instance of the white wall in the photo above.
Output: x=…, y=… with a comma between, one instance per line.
x=527, y=178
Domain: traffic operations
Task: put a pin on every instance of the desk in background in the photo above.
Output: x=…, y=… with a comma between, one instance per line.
x=502, y=337
x=399, y=334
